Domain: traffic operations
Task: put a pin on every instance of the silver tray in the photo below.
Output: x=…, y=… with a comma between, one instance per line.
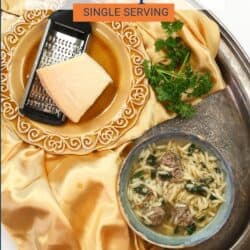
x=224, y=120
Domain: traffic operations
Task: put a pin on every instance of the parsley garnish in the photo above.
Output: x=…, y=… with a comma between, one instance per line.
x=171, y=27
x=196, y=188
x=191, y=228
x=202, y=219
x=138, y=174
x=212, y=197
x=151, y=160
x=175, y=79
x=141, y=189
x=153, y=174
x=193, y=148
x=166, y=176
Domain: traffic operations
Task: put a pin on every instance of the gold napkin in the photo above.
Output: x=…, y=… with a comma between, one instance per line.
x=13, y=6
x=52, y=202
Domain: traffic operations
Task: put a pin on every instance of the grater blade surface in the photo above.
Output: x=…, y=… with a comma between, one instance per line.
x=58, y=47
x=63, y=39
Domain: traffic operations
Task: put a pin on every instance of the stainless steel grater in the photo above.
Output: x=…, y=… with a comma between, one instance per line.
x=63, y=39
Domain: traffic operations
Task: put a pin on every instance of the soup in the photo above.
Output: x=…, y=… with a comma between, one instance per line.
x=176, y=188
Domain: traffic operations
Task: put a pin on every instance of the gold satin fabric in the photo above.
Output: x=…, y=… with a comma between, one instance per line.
x=52, y=202
x=13, y=6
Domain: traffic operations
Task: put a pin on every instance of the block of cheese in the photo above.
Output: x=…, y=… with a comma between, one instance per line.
x=74, y=85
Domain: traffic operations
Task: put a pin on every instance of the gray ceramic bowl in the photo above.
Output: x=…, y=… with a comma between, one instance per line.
x=175, y=241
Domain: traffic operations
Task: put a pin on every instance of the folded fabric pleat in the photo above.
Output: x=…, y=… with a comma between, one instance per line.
x=29, y=210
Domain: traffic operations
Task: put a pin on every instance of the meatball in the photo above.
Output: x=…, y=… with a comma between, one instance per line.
x=156, y=215
x=170, y=159
x=177, y=174
x=181, y=215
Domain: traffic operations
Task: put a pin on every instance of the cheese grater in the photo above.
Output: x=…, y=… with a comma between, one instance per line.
x=63, y=39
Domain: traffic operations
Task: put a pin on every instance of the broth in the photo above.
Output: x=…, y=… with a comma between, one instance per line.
x=176, y=188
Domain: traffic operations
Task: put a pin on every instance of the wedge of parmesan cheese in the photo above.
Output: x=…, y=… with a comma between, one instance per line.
x=74, y=85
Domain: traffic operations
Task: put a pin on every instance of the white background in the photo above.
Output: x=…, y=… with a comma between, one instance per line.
x=236, y=16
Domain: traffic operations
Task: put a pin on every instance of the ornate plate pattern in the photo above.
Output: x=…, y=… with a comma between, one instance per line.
x=100, y=138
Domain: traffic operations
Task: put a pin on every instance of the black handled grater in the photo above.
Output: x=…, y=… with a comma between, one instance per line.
x=63, y=39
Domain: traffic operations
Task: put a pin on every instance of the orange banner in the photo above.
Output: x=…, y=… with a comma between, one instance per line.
x=87, y=12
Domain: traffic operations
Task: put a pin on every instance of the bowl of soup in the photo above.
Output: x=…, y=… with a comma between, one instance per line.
x=175, y=190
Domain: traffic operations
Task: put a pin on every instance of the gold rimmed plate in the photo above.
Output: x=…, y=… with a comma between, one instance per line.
x=117, y=47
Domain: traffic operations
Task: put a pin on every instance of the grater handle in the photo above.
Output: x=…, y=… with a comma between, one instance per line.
x=65, y=18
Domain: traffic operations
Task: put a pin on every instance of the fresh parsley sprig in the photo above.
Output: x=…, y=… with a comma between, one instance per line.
x=175, y=79
x=172, y=27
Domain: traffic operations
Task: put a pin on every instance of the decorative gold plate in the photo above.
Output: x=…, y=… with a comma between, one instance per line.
x=116, y=46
